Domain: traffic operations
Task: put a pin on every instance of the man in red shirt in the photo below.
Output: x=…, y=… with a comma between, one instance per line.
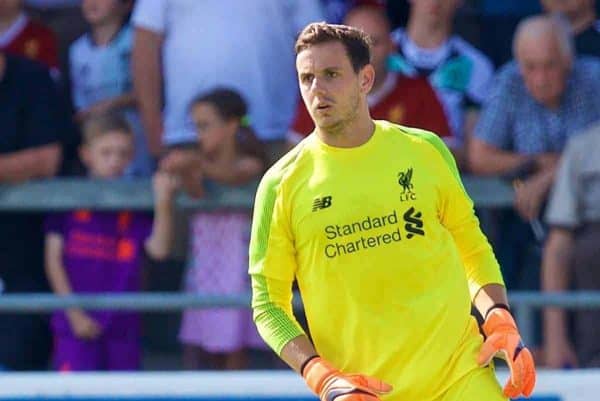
x=396, y=98
x=21, y=36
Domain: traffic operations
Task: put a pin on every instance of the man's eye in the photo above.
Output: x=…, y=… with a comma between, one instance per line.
x=307, y=78
x=332, y=74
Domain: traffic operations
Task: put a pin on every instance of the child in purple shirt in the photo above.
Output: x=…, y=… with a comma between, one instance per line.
x=99, y=252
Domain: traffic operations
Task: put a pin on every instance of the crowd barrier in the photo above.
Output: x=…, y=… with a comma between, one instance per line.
x=72, y=193
x=136, y=194
x=574, y=385
x=523, y=303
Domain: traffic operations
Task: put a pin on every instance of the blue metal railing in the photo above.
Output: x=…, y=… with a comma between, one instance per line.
x=73, y=193
x=524, y=303
x=67, y=194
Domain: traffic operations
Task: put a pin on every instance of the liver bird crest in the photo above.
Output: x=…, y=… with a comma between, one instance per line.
x=404, y=179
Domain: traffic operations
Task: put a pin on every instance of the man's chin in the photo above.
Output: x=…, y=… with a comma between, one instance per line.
x=328, y=125
x=543, y=98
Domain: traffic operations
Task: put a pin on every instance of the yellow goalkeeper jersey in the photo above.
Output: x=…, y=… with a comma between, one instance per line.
x=387, y=253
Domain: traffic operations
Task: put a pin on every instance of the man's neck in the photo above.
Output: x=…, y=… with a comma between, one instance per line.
x=553, y=105
x=104, y=33
x=583, y=22
x=8, y=21
x=356, y=133
x=428, y=36
x=226, y=153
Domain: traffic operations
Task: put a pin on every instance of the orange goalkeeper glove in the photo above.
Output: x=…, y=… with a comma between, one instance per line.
x=503, y=339
x=330, y=384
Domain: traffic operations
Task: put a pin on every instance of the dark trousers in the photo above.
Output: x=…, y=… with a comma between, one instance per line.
x=586, y=269
x=25, y=342
x=517, y=250
x=519, y=255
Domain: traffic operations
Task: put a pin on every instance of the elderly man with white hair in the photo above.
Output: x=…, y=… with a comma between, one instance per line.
x=536, y=103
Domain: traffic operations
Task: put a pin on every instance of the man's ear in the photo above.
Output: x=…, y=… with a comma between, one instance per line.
x=366, y=78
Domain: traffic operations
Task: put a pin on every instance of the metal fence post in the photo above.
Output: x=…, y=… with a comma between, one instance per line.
x=525, y=321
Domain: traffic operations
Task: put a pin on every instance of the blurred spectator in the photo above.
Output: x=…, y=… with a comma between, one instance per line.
x=100, y=72
x=394, y=97
x=336, y=10
x=99, y=252
x=65, y=19
x=397, y=11
x=572, y=253
x=29, y=149
x=251, y=52
x=581, y=16
x=22, y=36
x=499, y=20
x=458, y=72
x=534, y=105
x=232, y=155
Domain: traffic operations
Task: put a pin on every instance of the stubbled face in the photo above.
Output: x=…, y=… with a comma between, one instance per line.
x=211, y=129
x=543, y=67
x=108, y=156
x=329, y=85
x=375, y=25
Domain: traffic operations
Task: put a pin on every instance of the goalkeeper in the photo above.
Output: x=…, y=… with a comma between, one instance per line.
x=373, y=222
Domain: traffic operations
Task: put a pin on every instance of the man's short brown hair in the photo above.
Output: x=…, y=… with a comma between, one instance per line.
x=96, y=126
x=356, y=42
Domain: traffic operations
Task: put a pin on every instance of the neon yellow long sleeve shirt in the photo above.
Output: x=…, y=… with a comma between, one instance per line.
x=387, y=252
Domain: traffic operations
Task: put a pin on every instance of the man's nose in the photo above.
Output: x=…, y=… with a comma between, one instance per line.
x=317, y=86
x=540, y=78
x=115, y=160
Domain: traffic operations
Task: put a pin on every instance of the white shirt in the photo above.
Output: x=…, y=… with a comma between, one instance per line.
x=245, y=45
x=103, y=72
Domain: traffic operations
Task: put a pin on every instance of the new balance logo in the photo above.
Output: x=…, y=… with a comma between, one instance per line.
x=321, y=203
